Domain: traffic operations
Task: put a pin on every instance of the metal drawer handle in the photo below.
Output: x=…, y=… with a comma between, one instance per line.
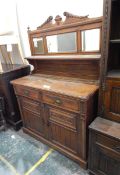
x=26, y=92
x=58, y=101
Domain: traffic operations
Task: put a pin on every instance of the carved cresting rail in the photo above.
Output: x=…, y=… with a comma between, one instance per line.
x=70, y=18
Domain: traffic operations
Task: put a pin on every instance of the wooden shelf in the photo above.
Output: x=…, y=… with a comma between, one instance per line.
x=115, y=41
x=114, y=74
x=65, y=57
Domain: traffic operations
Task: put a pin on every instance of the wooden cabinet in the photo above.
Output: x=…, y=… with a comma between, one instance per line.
x=58, y=119
x=104, y=141
x=59, y=99
x=104, y=147
x=110, y=63
x=7, y=73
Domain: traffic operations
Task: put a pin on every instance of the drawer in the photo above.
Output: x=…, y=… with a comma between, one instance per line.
x=62, y=102
x=31, y=105
x=108, y=143
x=30, y=93
x=63, y=118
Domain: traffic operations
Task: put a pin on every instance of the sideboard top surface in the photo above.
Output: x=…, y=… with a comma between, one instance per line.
x=106, y=127
x=59, y=85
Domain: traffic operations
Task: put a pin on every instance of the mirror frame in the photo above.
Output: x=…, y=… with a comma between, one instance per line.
x=72, y=23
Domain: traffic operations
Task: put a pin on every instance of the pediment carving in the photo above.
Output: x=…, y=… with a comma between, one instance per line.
x=70, y=18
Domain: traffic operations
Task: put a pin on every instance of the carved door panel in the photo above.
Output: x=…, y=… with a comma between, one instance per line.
x=32, y=115
x=105, y=157
x=63, y=129
x=112, y=100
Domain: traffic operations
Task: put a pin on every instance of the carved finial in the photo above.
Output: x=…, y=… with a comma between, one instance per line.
x=49, y=19
x=28, y=28
x=58, y=19
x=70, y=15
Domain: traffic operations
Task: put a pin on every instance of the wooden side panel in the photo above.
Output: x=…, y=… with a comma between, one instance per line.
x=82, y=69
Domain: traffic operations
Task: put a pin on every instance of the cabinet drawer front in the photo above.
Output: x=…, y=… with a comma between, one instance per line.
x=110, y=144
x=31, y=105
x=30, y=93
x=66, y=103
x=63, y=118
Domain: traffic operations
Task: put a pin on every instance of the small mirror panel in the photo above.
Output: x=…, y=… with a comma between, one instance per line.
x=38, y=45
x=91, y=40
x=62, y=43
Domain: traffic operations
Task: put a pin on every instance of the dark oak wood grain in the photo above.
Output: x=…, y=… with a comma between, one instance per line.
x=8, y=73
x=72, y=23
x=104, y=149
x=104, y=141
x=110, y=62
x=81, y=69
x=58, y=114
x=59, y=100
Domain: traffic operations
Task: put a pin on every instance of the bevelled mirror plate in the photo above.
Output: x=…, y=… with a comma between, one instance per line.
x=91, y=40
x=62, y=43
x=38, y=45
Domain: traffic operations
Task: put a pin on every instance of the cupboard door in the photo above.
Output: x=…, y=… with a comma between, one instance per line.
x=32, y=115
x=63, y=129
x=104, y=164
x=112, y=100
x=107, y=160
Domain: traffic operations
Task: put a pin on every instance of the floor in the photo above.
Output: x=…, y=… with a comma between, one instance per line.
x=21, y=154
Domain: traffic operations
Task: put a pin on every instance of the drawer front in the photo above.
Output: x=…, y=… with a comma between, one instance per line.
x=30, y=93
x=31, y=105
x=111, y=144
x=62, y=102
x=63, y=118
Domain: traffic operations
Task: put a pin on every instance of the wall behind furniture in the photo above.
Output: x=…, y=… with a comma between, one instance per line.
x=10, y=45
x=34, y=12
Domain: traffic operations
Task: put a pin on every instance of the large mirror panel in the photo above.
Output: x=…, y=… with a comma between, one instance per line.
x=38, y=45
x=91, y=40
x=62, y=43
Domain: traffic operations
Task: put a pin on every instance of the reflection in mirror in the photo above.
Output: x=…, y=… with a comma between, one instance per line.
x=38, y=45
x=91, y=40
x=62, y=43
